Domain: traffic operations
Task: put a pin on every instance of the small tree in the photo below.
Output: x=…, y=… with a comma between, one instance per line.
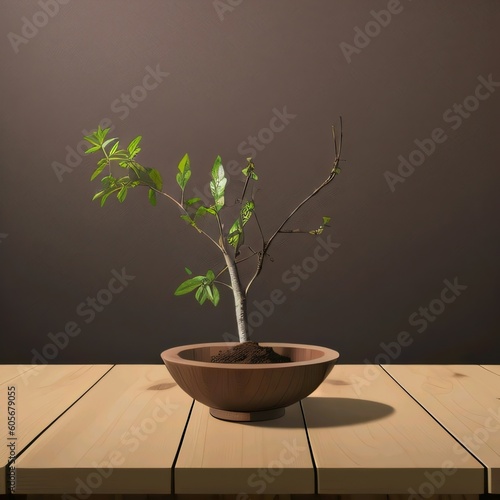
x=228, y=242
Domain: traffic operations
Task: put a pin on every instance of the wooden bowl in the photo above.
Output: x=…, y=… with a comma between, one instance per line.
x=249, y=392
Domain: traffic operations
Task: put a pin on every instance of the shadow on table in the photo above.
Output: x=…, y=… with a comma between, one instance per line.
x=161, y=386
x=332, y=412
x=336, y=412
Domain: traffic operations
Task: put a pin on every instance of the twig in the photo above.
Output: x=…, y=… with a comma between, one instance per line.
x=338, y=151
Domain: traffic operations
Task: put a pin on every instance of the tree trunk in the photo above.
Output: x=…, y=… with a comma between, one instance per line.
x=240, y=301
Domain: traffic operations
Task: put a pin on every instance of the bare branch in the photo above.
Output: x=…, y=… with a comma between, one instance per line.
x=222, y=283
x=185, y=211
x=337, y=143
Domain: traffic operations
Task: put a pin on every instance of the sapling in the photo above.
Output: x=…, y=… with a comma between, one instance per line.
x=229, y=238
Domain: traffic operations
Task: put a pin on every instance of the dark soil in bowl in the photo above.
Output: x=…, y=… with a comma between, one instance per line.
x=250, y=353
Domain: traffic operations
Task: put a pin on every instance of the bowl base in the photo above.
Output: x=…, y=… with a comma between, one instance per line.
x=247, y=416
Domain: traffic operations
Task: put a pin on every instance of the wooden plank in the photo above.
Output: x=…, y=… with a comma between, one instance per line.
x=9, y=372
x=122, y=437
x=492, y=368
x=470, y=496
x=39, y=400
x=465, y=399
x=283, y=496
x=253, y=458
x=368, y=436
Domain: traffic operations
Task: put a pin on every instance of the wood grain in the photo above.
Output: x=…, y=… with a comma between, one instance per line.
x=40, y=399
x=122, y=437
x=465, y=399
x=369, y=436
x=254, y=458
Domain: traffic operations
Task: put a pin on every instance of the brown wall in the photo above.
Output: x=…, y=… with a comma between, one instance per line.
x=233, y=65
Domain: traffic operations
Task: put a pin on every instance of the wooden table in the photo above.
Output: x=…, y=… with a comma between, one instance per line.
x=398, y=430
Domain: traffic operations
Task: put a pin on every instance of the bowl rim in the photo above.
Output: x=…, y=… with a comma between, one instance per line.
x=172, y=355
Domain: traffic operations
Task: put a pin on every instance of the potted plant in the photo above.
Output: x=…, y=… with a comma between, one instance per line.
x=241, y=381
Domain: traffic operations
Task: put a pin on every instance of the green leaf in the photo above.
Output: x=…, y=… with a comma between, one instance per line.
x=104, y=133
x=114, y=148
x=182, y=179
x=184, y=172
x=202, y=296
x=106, y=195
x=97, y=171
x=192, y=201
x=98, y=195
x=133, y=144
x=155, y=177
x=208, y=291
x=204, y=210
x=102, y=161
x=247, y=211
x=152, y=197
x=100, y=134
x=186, y=218
x=216, y=295
x=92, y=149
x=210, y=275
x=218, y=183
x=108, y=141
x=122, y=194
x=135, y=153
x=189, y=285
x=92, y=139
x=107, y=180
x=121, y=154
x=235, y=233
x=138, y=171
x=249, y=170
x=188, y=271
x=184, y=164
x=321, y=228
x=235, y=236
